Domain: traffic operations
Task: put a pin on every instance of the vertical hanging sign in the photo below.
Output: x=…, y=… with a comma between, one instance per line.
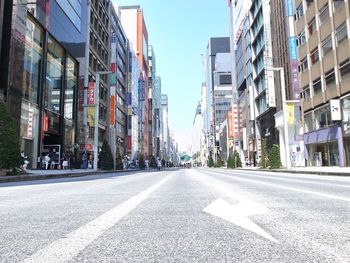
x=112, y=107
x=91, y=101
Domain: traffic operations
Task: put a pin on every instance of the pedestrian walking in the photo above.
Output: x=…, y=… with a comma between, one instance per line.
x=47, y=161
x=159, y=164
x=24, y=162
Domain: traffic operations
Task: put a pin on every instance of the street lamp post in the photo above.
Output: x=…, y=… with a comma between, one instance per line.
x=97, y=108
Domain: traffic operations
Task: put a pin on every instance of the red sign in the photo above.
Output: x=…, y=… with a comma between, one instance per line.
x=112, y=110
x=81, y=96
x=230, y=126
x=113, y=67
x=91, y=93
x=128, y=142
x=88, y=147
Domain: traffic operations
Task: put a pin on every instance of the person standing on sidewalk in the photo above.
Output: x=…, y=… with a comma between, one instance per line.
x=159, y=164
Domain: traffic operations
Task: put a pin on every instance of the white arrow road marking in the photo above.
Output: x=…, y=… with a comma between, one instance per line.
x=238, y=215
x=66, y=248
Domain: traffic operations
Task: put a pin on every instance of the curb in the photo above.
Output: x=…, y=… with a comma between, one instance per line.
x=31, y=177
x=322, y=173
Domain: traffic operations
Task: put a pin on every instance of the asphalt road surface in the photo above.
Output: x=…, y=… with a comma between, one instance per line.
x=186, y=215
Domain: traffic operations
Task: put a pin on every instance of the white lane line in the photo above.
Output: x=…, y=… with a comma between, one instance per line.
x=66, y=248
x=294, y=189
x=297, y=179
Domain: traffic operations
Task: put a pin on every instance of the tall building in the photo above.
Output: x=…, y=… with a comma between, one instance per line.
x=154, y=99
x=97, y=59
x=40, y=65
x=134, y=71
x=135, y=28
x=118, y=84
x=215, y=45
x=262, y=75
x=285, y=56
x=197, y=137
x=164, y=151
x=322, y=30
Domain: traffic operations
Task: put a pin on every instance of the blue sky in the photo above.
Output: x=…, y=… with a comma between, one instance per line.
x=179, y=31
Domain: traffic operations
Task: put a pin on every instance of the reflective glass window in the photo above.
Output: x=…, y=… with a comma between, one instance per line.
x=54, y=76
x=33, y=56
x=71, y=87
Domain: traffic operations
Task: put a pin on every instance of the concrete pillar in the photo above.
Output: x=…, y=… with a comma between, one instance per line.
x=341, y=147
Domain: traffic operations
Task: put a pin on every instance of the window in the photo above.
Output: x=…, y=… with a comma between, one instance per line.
x=303, y=64
x=324, y=13
x=301, y=38
x=327, y=45
x=344, y=67
x=317, y=86
x=308, y=124
x=309, y=2
x=71, y=87
x=299, y=11
x=314, y=56
x=225, y=79
x=306, y=92
x=341, y=32
x=312, y=26
x=337, y=3
x=32, y=61
x=323, y=117
x=54, y=76
x=330, y=77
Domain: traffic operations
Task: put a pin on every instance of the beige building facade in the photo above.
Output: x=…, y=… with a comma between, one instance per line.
x=322, y=31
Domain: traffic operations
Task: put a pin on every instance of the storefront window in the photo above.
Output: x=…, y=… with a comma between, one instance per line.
x=323, y=117
x=71, y=87
x=32, y=61
x=54, y=76
x=29, y=131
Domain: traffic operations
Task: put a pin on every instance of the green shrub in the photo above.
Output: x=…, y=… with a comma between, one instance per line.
x=275, y=158
x=9, y=142
x=237, y=160
x=264, y=162
x=230, y=162
x=105, y=158
x=210, y=162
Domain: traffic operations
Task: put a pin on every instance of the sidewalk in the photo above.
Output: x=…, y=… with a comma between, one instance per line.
x=324, y=170
x=47, y=174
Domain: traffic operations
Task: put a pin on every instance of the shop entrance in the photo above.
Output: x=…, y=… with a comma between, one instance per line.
x=52, y=147
x=325, y=154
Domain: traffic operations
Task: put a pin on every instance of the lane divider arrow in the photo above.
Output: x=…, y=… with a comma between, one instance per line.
x=238, y=215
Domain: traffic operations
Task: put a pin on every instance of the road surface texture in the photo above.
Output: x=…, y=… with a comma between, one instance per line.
x=186, y=215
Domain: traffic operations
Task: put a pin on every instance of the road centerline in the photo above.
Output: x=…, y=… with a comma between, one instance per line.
x=66, y=248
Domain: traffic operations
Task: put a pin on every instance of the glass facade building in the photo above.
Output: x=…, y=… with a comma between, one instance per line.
x=41, y=78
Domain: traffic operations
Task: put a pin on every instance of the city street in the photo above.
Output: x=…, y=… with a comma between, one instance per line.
x=184, y=215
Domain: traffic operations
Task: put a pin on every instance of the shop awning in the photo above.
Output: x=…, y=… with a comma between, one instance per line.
x=322, y=135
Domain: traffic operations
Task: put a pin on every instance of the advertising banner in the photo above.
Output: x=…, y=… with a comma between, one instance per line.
x=91, y=101
x=290, y=7
x=112, y=107
x=290, y=113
